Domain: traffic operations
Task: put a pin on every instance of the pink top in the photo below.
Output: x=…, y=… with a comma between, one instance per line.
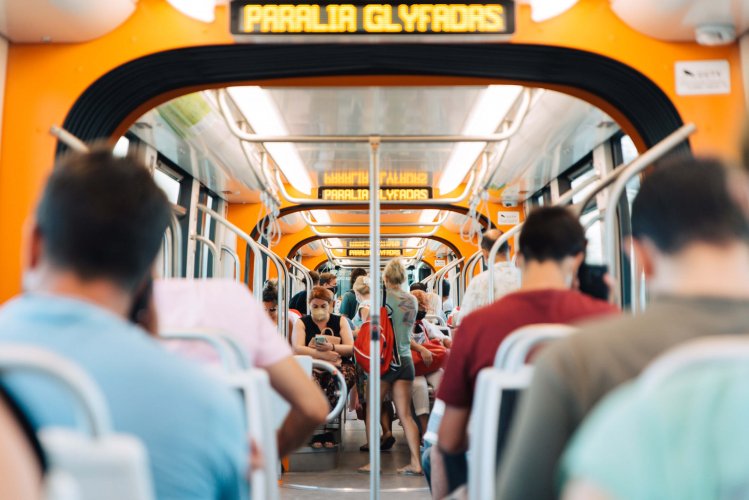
x=223, y=305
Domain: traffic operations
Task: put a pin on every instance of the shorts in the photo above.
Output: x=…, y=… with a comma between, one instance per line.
x=405, y=371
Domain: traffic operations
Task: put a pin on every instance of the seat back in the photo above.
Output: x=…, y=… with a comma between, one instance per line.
x=257, y=398
x=99, y=463
x=280, y=406
x=515, y=348
x=494, y=403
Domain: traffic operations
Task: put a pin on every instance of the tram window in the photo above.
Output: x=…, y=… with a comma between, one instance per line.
x=627, y=148
x=122, y=147
x=168, y=184
x=594, y=235
x=579, y=179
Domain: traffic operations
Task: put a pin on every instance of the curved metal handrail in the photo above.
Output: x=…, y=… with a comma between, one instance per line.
x=634, y=168
x=91, y=401
x=235, y=258
x=342, y=388
x=212, y=247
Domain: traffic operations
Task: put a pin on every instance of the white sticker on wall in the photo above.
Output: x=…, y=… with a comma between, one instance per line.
x=508, y=218
x=439, y=263
x=703, y=77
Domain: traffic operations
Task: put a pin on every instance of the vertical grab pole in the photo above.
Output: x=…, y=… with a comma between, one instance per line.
x=374, y=317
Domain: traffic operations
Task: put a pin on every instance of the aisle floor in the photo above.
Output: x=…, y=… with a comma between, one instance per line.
x=346, y=476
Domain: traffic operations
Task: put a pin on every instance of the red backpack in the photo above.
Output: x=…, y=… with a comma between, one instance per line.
x=387, y=343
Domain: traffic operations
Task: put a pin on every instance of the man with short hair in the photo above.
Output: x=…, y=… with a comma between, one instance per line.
x=506, y=277
x=299, y=301
x=98, y=228
x=349, y=303
x=695, y=256
x=329, y=281
x=552, y=247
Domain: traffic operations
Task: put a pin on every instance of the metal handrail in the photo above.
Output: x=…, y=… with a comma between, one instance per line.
x=505, y=237
x=166, y=252
x=438, y=281
x=91, y=402
x=214, y=252
x=312, y=223
x=634, y=168
x=303, y=270
x=176, y=245
x=324, y=365
x=257, y=248
x=235, y=257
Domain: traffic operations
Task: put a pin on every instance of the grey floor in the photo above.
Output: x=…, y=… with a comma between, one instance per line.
x=296, y=484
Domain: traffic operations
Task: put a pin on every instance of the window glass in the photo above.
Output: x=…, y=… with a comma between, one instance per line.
x=122, y=146
x=594, y=235
x=168, y=184
x=588, y=174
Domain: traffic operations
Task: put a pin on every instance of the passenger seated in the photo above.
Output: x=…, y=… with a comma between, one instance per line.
x=682, y=437
x=423, y=331
x=227, y=306
x=98, y=228
x=21, y=459
x=299, y=301
x=270, y=303
x=361, y=290
x=326, y=336
x=447, y=302
x=506, y=277
x=349, y=302
x=695, y=257
x=552, y=246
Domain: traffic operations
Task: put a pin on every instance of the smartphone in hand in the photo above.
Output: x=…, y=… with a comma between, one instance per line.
x=591, y=279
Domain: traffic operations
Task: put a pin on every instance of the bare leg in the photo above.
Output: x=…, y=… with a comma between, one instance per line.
x=386, y=420
x=402, y=399
x=423, y=421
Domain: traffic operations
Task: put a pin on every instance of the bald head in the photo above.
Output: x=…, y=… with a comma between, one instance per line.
x=487, y=242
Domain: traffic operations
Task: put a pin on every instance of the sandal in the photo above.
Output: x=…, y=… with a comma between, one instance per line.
x=387, y=443
x=408, y=471
x=364, y=447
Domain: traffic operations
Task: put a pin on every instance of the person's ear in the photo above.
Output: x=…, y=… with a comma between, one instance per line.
x=644, y=253
x=577, y=262
x=31, y=245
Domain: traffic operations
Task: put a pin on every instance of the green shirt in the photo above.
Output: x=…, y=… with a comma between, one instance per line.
x=349, y=305
x=683, y=438
x=403, y=306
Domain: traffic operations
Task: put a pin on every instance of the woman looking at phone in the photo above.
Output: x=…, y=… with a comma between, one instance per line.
x=325, y=336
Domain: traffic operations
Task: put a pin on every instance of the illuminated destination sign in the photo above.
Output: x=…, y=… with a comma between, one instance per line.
x=387, y=178
x=383, y=244
x=364, y=252
x=388, y=18
x=386, y=194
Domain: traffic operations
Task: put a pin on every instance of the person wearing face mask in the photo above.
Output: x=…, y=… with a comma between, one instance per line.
x=330, y=282
x=552, y=247
x=325, y=336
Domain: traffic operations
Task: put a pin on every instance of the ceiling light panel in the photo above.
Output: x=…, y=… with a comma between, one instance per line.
x=488, y=112
x=260, y=111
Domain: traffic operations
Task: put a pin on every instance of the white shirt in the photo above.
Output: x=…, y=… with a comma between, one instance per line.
x=506, y=280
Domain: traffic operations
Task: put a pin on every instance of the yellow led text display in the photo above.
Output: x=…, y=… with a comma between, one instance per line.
x=375, y=18
x=364, y=252
x=383, y=244
x=386, y=194
x=387, y=178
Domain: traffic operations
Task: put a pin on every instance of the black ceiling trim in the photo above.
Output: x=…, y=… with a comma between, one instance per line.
x=104, y=105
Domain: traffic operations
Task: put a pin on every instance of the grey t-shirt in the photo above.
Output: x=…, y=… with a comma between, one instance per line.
x=573, y=374
x=404, y=307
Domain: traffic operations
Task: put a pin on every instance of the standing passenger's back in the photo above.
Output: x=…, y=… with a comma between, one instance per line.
x=98, y=228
